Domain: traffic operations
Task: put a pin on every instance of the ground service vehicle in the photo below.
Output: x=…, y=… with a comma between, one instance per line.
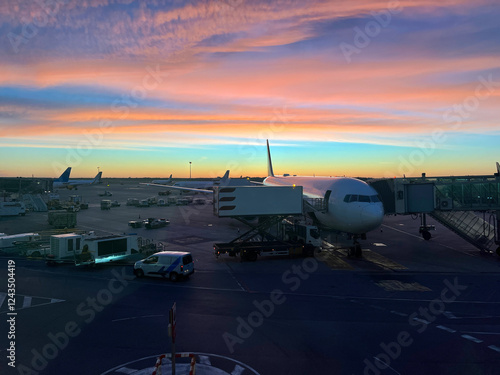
x=166, y=264
x=106, y=204
x=89, y=249
x=153, y=223
x=294, y=240
x=12, y=209
x=62, y=219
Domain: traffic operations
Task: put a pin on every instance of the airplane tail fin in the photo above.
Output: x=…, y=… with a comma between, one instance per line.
x=225, y=177
x=269, y=162
x=170, y=178
x=498, y=168
x=65, y=175
x=97, y=178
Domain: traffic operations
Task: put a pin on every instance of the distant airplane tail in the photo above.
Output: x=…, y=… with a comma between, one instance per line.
x=65, y=176
x=498, y=168
x=225, y=177
x=97, y=178
x=269, y=162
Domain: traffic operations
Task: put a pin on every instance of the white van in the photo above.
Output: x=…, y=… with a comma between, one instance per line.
x=171, y=264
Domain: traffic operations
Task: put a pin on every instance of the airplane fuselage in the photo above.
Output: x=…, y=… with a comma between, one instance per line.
x=353, y=205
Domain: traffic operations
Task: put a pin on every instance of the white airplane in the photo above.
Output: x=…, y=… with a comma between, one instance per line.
x=73, y=184
x=163, y=181
x=352, y=206
x=192, y=185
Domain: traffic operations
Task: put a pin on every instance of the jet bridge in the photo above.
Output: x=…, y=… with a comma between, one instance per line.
x=467, y=205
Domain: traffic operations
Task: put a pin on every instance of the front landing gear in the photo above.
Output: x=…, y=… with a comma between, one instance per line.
x=355, y=250
x=424, y=228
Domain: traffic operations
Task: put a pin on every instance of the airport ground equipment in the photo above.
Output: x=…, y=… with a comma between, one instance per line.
x=61, y=219
x=265, y=209
x=12, y=208
x=467, y=205
x=106, y=204
x=88, y=249
x=154, y=223
x=35, y=203
x=7, y=241
x=132, y=202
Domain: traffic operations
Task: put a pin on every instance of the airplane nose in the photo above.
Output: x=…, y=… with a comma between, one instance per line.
x=372, y=216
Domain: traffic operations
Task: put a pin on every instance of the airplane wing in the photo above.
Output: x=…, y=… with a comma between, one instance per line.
x=178, y=188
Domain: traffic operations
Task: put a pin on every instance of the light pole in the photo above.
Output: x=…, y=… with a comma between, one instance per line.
x=189, y=170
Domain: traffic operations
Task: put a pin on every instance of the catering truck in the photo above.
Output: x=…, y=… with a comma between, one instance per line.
x=85, y=249
x=294, y=240
x=276, y=232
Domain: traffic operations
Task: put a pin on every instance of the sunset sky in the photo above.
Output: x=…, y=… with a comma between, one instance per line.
x=142, y=88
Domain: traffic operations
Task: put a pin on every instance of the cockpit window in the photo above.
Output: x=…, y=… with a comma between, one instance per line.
x=361, y=198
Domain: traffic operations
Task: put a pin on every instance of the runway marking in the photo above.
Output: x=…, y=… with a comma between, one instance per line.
x=137, y=317
x=120, y=320
x=422, y=321
x=387, y=365
x=472, y=338
x=449, y=315
x=484, y=333
x=231, y=273
x=378, y=244
x=333, y=261
x=446, y=329
x=398, y=286
x=381, y=261
x=402, y=231
x=27, y=302
x=495, y=348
